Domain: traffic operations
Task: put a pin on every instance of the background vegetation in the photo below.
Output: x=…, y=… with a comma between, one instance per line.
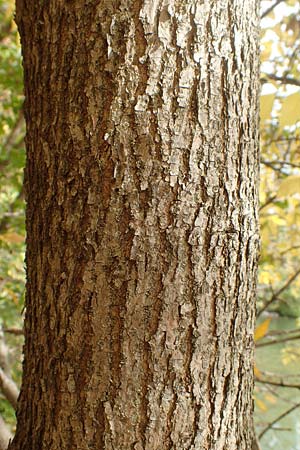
x=279, y=277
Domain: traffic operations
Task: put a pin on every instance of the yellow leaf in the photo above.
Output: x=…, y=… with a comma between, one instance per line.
x=266, y=50
x=290, y=111
x=12, y=295
x=262, y=329
x=266, y=106
x=257, y=372
x=278, y=220
x=265, y=277
x=262, y=406
x=12, y=238
x=270, y=398
x=289, y=186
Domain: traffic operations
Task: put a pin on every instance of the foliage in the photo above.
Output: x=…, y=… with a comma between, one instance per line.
x=12, y=159
x=279, y=275
x=280, y=147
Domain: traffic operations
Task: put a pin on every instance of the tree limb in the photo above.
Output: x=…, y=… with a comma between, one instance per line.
x=281, y=163
x=270, y=9
x=9, y=389
x=283, y=332
x=294, y=247
x=267, y=202
x=278, y=341
x=277, y=294
x=255, y=443
x=277, y=383
x=15, y=331
x=277, y=419
x=4, y=360
x=285, y=80
x=272, y=166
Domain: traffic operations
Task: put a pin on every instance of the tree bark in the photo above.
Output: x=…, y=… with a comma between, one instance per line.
x=141, y=179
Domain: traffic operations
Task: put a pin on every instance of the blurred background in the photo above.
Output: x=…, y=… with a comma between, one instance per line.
x=277, y=336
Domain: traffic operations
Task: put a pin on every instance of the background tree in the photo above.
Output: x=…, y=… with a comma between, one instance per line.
x=141, y=180
x=280, y=156
x=12, y=156
x=278, y=385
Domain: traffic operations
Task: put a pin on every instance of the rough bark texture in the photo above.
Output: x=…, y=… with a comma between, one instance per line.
x=141, y=179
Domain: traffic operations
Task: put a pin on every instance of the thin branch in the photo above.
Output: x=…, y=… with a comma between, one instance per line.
x=255, y=443
x=9, y=389
x=281, y=163
x=279, y=375
x=281, y=139
x=15, y=331
x=293, y=58
x=281, y=332
x=267, y=202
x=284, y=80
x=277, y=393
x=294, y=247
x=278, y=419
x=15, y=214
x=277, y=341
x=272, y=166
x=277, y=383
x=287, y=333
x=4, y=352
x=270, y=9
x=277, y=294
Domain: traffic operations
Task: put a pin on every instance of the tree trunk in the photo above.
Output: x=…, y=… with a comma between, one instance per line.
x=141, y=179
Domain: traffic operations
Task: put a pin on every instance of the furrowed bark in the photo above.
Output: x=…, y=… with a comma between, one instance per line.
x=141, y=179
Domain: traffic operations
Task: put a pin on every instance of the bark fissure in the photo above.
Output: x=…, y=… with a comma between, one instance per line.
x=141, y=181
